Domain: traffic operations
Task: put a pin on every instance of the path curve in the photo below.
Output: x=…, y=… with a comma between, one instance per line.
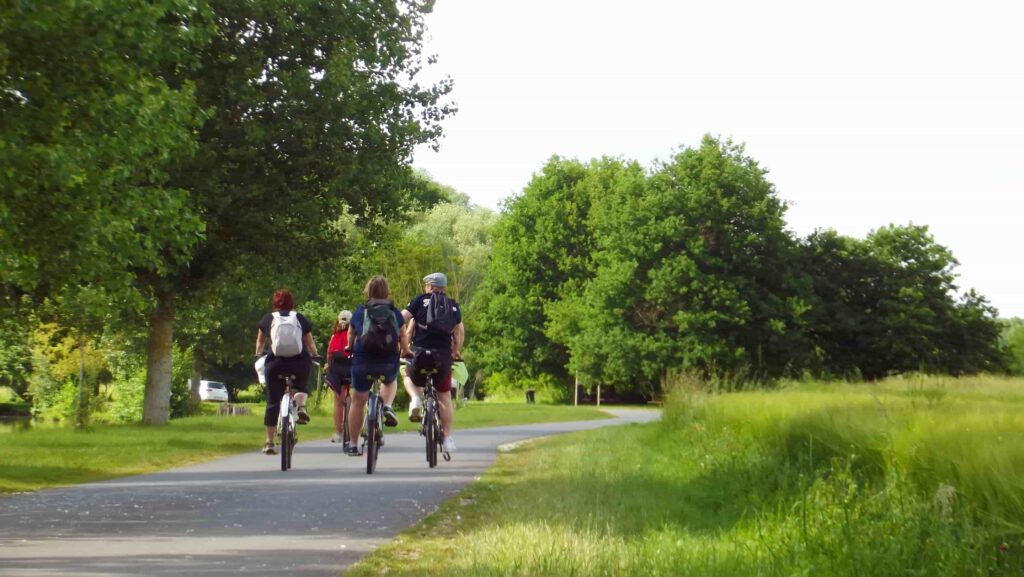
x=241, y=514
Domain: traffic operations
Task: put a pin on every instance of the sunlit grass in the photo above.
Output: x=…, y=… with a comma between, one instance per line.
x=808, y=480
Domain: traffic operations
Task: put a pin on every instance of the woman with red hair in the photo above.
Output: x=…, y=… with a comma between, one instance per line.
x=291, y=347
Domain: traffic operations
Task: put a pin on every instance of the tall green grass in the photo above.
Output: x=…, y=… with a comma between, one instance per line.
x=966, y=434
x=907, y=477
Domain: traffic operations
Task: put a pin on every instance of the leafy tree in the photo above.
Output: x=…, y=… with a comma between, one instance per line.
x=461, y=232
x=888, y=304
x=970, y=343
x=312, y=108
x=847, y=285
x=1012, y=338
x=91, y=124
x=16, y=344
x=693, y=271
x=915, y=296
x=542, y=246
x=690, y=268
x=452, y=237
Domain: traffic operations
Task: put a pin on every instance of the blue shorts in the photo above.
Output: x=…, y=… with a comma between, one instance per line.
x=364, y=374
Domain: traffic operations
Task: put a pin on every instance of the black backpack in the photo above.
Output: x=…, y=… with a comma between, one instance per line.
x=380, y=330
x=440, y=314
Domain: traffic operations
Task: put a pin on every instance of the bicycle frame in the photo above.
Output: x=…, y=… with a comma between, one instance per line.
x=373, y=427
x=431, y=427
x=287, y=421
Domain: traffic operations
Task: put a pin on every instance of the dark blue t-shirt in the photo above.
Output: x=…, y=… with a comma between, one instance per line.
x=423, y=338
x=357, y=326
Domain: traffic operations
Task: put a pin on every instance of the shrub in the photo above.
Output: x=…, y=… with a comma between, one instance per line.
x=251, y=394
x=128, y=394
x=548, y=389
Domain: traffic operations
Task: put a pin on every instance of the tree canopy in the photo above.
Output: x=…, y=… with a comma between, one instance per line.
x=170, y=149
x=619, y=274
x=92, y=125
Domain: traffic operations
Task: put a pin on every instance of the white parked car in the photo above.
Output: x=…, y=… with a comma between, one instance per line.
x=213, y=391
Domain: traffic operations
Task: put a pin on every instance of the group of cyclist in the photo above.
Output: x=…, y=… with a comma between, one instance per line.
x=353, y=362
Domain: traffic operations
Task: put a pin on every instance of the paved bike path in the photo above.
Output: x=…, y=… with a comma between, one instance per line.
x=242, y=514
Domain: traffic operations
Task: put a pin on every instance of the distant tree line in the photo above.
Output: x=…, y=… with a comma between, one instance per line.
x=615, y=274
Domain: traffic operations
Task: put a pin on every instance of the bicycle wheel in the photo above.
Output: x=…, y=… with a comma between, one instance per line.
x=372, y=436
x=294, y=435
x=430, y=430
x=286, y=444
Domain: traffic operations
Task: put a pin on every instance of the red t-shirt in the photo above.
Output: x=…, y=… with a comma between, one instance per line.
x=338, y=343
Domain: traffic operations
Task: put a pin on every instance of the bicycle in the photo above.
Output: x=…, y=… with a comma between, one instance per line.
x=373, y=429
x=346, y=397
x=430, y=427
x=288, y=420
x=321, y=382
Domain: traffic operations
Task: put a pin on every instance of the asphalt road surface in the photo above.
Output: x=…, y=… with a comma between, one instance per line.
x=243, y=515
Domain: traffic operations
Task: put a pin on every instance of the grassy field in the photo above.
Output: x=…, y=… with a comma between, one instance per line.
x=913, y=476
x=49, y=457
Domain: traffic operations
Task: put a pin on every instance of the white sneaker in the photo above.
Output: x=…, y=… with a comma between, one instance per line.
x=414, y=410
x=448, y=445
x=336, y=438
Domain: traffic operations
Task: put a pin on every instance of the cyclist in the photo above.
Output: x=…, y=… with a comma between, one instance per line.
x=373, y=336
x=441, y=332
x=291, y=348
x=339, y=370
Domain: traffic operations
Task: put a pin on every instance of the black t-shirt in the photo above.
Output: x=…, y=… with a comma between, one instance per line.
x=423, y=338
x=307, y=327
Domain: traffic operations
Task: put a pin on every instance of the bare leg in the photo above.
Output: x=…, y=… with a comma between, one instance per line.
x=445, y=409
x=355, y=415
x=339, y=410
x=414, y=391
x=388, y=392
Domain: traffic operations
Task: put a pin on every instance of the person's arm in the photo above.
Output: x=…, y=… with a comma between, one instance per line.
x=310, y=345
x=261, y=341
x=332, y=346
x=405, y=336
x=405, y=333
x=344, y=339
x=458, y=335
x=351, y=339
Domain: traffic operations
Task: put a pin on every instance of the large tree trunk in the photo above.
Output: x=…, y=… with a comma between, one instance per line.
x=156, y=408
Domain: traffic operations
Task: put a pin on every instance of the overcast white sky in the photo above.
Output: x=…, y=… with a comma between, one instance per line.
x=864, y=113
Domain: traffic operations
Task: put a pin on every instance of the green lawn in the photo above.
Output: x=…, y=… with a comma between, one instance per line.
x=917, y=476
x=49, y=456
